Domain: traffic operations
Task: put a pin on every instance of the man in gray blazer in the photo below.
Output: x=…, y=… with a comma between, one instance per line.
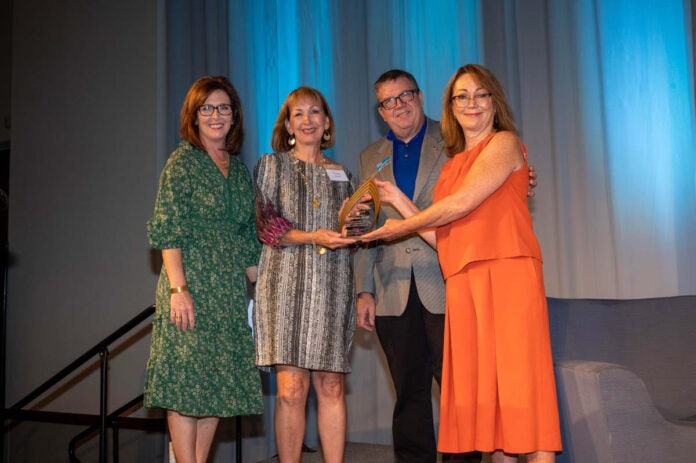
x=400, y=288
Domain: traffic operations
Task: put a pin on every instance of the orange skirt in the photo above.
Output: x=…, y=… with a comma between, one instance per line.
x=498, y=389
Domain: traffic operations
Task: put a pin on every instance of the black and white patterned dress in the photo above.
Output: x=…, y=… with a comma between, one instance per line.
x=304, y=312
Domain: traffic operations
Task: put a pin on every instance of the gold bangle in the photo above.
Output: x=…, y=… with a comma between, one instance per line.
x=179, y=289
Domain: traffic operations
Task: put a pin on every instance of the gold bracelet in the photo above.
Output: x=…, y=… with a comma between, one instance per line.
x=179, y=289
x=321, y=250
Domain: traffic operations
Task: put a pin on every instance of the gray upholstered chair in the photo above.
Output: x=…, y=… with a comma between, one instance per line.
x=609, y=417
x=626, y=372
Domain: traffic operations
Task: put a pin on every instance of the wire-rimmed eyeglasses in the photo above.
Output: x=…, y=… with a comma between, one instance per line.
x=222, y=109
x=463, y=99
x=404, y=97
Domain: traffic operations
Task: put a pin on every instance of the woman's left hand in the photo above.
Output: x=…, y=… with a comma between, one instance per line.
x=181, y=311
x=391, y=230
x=331, y=239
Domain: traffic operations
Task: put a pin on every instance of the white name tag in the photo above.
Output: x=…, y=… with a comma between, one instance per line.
x=336, y=174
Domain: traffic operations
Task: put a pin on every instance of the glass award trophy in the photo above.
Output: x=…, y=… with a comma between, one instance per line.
x=359, y=214
x=361, y=220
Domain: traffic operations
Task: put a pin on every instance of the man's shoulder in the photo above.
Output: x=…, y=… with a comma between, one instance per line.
x=374, y=147
x=433, y=129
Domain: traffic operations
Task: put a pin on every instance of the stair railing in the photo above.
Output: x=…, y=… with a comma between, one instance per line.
x=17, y=411
x=102, y=421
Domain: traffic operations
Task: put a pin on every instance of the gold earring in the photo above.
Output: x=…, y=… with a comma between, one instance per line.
x=291, y=140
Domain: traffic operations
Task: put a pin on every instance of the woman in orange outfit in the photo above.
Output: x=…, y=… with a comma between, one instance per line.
x=498, y=391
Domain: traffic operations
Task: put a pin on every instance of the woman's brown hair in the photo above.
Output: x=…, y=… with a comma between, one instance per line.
x=280, y=136
x=196, y=96
x=452, y=132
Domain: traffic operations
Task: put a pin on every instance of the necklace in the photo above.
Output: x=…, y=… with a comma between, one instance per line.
x=223, y=163
x=296, y=162
x=321, y=250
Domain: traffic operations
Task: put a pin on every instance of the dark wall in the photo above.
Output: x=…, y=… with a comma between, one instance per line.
x=85, y=83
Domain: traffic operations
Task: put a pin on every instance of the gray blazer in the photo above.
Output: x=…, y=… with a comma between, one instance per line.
x=385, y=269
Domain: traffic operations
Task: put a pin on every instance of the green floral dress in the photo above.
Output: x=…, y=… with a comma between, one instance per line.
x=207, y=371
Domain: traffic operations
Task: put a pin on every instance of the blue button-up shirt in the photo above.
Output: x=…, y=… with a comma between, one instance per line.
x=406, y=157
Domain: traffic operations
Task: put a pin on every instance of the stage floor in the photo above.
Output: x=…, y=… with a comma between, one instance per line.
x=356, y=452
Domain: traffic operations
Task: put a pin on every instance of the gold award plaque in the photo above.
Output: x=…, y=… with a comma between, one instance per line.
x=364, y=219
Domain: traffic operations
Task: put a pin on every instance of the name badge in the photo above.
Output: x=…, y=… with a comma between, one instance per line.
x=382, y=163
x=336, y=174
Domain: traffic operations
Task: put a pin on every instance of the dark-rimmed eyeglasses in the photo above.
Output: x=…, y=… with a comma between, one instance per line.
x=222, y=109
x=462, y=100
x=404, y=97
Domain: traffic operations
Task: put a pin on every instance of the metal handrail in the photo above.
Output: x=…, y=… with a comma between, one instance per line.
x=83, y=419
x=112, y=419
x=16, y=411
x=102, y=350
x=97, y=349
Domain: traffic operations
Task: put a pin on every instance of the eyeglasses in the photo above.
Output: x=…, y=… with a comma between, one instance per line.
x=404, y=97
x=222, y=109
x=462, y=100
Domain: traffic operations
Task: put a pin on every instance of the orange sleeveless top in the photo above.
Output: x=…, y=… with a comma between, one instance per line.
x=500, y=227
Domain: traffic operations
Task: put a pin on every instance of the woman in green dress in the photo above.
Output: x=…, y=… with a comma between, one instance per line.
x=201, y=364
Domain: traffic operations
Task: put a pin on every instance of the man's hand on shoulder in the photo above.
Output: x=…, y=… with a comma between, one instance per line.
x=532, y=181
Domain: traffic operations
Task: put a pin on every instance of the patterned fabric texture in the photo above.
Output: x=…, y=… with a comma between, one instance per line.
x=207, y=371
x=304, y=312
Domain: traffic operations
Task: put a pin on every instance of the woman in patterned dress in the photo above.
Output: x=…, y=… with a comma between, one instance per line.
x=498, y=392
x=201, y=364
x=304, y=315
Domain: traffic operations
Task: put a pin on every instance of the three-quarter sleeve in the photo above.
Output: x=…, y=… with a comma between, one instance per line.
x=167, y=229
x=270, y=225
x=248, y=227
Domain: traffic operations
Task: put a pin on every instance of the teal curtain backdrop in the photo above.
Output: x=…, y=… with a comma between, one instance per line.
x=603, y=92
x=340, y=48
